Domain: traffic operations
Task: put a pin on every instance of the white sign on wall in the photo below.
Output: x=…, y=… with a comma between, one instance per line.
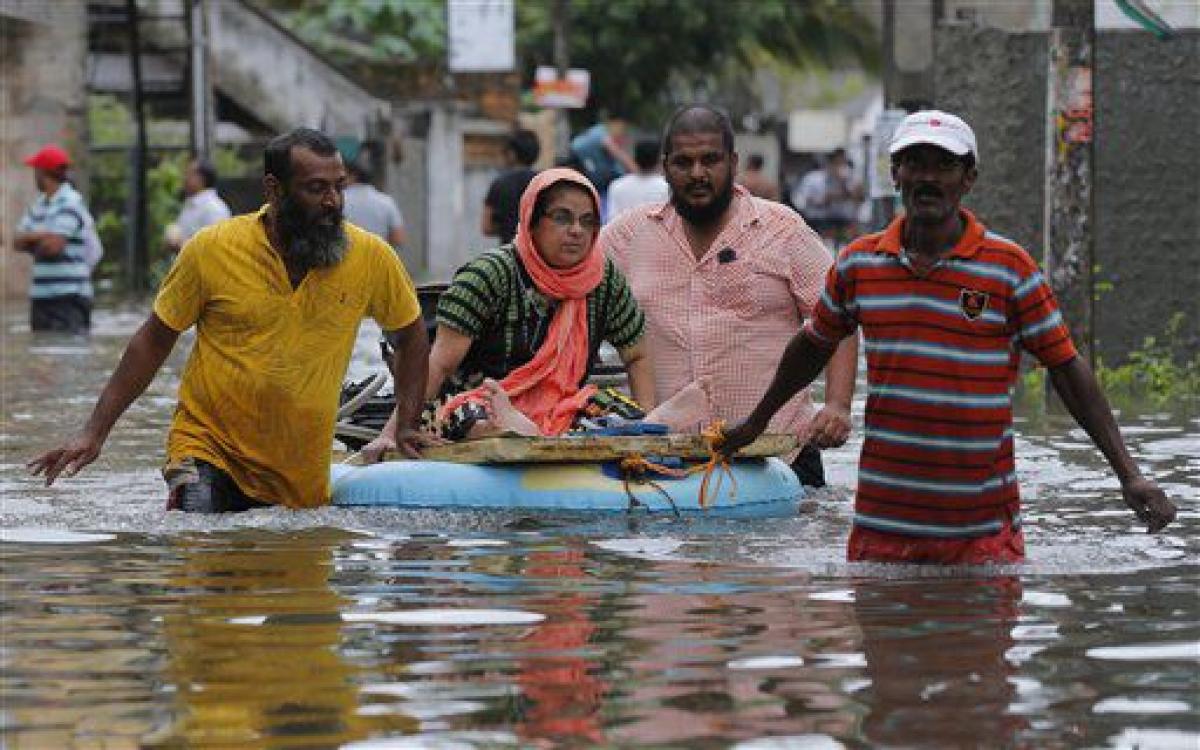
x=480, y=35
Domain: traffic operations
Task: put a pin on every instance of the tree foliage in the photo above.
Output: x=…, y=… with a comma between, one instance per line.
x=642, y=54
x=373, y=31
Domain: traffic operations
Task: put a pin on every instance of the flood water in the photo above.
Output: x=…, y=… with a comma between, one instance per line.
x=128, y=627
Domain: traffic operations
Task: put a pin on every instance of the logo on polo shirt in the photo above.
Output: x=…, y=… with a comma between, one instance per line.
x=972, y=303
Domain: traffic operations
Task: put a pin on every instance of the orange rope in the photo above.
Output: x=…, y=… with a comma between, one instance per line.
x=714, y=436
x=637, y=464
x=635, y=467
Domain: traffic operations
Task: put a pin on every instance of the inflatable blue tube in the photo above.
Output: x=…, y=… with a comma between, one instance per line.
x=765, y=488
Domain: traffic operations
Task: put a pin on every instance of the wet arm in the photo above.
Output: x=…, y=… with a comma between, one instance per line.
x=448, y=351
x=839, y=374
x=641, y=374
x=144, y=355
x=410, y=368
x=830, y=426
x=1083, y=397
x=801, y=363
x=1079, y=391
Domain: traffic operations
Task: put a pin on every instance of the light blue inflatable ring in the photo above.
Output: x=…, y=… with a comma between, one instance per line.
x=764, y=488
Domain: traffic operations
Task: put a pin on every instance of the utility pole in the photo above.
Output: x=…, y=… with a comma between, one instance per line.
x=562, y=61
x=1069, y=203
x=135, y=247
x=202, y=115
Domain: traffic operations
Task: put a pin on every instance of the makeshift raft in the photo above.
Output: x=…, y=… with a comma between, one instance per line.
x=580, y=473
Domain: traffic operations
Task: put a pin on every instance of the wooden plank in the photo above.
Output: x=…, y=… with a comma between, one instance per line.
x=587, y=448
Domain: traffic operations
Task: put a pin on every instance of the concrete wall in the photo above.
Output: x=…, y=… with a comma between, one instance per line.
x=1147, y=158
x=406, y=183
x=445, y=202
x=269, y=72
x=1147, y=173
x=43, y=48
x=997, y=81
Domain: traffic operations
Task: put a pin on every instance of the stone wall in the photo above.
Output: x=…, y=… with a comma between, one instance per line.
x=1146, y=178
x=42, y=64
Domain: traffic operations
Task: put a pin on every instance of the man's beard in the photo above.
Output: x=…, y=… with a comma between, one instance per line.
x=308, y=241
x=704, y=215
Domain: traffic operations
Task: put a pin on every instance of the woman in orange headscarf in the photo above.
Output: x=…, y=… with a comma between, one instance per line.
x=521, y=326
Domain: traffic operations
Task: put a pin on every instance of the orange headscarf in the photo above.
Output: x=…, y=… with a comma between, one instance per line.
x=546, y=388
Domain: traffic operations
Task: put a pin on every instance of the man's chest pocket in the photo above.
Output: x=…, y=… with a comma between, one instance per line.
x=745, y=288
x=335, y=307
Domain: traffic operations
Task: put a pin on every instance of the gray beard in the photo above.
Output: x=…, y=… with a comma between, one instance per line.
x=310, y=244
x=320, y=246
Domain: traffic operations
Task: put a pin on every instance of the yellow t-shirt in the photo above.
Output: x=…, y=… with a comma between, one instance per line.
x=259, y=394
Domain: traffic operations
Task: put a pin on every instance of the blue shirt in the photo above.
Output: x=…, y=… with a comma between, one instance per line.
x=68, y=273
x=598, y=164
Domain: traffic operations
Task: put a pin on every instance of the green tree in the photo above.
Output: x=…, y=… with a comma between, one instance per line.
x=643, y=54
x=384, y=32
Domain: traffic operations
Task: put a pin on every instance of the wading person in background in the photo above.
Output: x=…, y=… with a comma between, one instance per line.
x=725, y=280
x=276, y=298
x=757, y=181
x=499, y=217
x=201, y=204
x=372, y=209
x=945, y=307
x=646, y=185
x=829, y=199
x=56, y=230
x=599, y=153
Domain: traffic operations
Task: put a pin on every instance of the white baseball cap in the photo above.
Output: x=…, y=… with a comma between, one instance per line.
x=935, y=128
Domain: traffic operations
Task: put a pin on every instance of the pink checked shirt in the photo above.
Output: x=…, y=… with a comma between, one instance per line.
x=727, y=317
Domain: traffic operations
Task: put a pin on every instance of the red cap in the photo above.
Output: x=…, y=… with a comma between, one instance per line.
x=48, y=157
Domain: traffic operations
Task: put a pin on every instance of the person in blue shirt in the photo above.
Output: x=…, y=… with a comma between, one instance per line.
x=600, y=154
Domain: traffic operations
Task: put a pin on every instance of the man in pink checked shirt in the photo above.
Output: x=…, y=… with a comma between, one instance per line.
x=725, y=279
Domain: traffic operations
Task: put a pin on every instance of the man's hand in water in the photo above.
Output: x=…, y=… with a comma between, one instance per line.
x=1150, y=504
x=71, y=456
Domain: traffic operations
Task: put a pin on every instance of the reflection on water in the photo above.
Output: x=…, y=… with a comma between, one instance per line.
x=124, y=626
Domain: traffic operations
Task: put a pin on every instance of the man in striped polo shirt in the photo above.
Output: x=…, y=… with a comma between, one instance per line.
x=945, y=307
x=54, y=230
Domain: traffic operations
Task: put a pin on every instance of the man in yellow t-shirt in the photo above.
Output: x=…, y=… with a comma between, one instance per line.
x=276, y=298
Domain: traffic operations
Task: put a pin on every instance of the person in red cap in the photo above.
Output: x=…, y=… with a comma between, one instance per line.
x=946, y=309
x=58, y=231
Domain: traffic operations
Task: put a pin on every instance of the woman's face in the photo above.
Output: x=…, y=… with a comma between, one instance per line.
x=565, y=233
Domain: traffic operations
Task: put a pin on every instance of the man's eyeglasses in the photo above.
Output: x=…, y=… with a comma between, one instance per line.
x=563, y=218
